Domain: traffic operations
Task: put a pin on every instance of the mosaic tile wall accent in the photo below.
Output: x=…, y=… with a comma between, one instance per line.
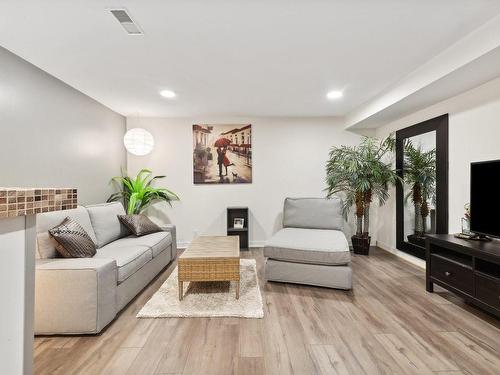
x=28, y=201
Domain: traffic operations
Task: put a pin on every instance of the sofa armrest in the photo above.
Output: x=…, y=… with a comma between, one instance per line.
x=171, y=228
x=74, y=295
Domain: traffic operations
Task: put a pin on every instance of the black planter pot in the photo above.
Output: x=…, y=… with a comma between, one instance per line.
x=361, y=244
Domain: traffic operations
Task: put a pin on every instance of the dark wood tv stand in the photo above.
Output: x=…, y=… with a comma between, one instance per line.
x=470, y=269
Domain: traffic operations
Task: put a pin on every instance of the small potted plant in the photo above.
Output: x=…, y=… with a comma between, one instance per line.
x=138, y=193
x=361, y=173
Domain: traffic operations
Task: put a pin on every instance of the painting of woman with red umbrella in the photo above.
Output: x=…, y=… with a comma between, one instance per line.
x=232, y=146
x=222, y=159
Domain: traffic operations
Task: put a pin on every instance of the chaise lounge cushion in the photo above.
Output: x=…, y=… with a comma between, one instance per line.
x=129, y=257
x=314, y=213
x=107, y=227
x=313, y=246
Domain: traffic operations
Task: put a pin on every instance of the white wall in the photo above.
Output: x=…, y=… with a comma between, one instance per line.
x=53, y=135
x=474, y=134
x=289, y=156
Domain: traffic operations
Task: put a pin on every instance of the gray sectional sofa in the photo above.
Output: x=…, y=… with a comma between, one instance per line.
x=311, y=248
x=83, y=295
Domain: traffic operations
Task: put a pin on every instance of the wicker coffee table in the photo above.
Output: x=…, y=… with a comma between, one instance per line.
x=210, y=258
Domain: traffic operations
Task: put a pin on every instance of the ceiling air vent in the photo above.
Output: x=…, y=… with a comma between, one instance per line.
x=122, y=16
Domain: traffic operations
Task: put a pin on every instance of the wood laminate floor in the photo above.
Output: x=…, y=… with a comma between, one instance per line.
x=387, y=324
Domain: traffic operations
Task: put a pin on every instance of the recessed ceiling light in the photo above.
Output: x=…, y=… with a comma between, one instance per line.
x=167, y=94
x=334, y=95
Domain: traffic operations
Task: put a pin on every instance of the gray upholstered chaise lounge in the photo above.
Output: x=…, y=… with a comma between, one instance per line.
x=311, y=248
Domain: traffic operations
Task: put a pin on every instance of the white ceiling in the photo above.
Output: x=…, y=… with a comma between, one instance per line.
x=471, y=62
x=235, y=57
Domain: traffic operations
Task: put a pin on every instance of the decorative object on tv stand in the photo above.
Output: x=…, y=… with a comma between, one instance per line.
x=466, y=220
x=235, y=216
x=419, y=170
x=238, y=223
x=222, y=154
x=137, y=193
x=361, y=173
x=138, y=141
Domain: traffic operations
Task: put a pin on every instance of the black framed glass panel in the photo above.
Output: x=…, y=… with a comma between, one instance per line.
x=422, y=200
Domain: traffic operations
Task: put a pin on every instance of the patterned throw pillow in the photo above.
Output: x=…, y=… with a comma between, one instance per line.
x=139, y=224
x=72, y=240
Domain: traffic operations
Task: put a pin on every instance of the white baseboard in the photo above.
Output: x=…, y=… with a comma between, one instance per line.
x=407, y=257
x=257, y=243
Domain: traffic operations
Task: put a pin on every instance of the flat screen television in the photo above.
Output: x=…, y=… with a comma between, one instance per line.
x=485, y=198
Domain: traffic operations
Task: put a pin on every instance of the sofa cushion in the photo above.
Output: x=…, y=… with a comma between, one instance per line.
x=104, y=219
x=315, y=213
x=315, y=246
x=46, y=246
x=129, y=257
x=157, y=242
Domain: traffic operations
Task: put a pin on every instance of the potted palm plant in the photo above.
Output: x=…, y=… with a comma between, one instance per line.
x=138, y=193
x=419, y=172
x=361, y=173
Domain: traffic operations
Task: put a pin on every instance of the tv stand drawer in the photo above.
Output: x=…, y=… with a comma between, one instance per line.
x=488, y=290
x=452, y=273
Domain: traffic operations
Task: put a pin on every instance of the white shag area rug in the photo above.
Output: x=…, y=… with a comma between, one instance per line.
x=208, y=299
